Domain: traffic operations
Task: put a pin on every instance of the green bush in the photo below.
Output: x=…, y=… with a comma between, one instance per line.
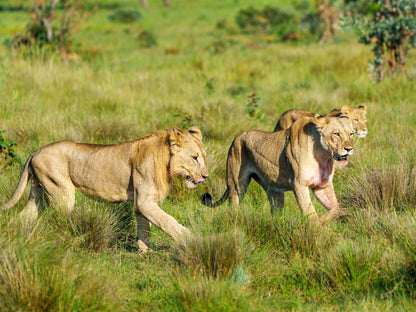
x=390, y=28
x=125, y=15
x=271, y=21
x=7, y=151
x=147, y=39
x=281, y=24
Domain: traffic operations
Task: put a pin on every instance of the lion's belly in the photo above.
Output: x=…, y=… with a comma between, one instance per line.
x=274, y=179
x=113, y=195
x=110, y=183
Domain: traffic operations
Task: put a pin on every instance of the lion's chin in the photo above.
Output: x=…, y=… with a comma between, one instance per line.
x=190, y=184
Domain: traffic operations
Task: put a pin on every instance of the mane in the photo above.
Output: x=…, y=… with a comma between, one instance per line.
x=155, y=134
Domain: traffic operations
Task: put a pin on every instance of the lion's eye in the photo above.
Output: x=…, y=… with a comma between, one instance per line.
x=351, y=134
x=356, y=120
x=195, y=158
x=336, y=134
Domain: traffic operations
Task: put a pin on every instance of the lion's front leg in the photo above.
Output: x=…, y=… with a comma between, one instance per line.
x=304, y=200
x=153, y=213
x=326, y=196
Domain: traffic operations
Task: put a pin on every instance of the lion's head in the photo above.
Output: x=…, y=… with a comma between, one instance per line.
x=358, y=118
x=188, y=156
x=336, y=137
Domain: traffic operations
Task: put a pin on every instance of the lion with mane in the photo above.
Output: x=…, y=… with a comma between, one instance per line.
x=137, y=171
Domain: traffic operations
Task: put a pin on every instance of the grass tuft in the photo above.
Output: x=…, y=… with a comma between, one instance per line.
x=214, y=255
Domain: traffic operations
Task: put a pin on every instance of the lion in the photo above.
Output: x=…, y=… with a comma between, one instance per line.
x=297, y=159
x=356, y=114
x=137, y=171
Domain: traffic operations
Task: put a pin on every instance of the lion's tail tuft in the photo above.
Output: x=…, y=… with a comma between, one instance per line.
x=206, y=199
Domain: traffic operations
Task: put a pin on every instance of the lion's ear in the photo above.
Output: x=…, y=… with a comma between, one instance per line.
x=363, y=107
x=320, y=121
x=175, y=139
x=346, y=110
x=196, y=132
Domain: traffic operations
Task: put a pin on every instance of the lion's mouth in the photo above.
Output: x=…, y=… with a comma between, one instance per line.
x=191, y=182
x=341, y=159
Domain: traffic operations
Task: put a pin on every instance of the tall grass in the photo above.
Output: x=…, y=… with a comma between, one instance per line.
x=42, y=274
x=215, y=255
x=383, y=188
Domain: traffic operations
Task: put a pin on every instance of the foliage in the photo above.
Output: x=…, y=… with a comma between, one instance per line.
x=7, y=150
x=391, y=30
x=147, y=39
x=125, y=15
x=253, y=106
x=282, y=24
x=43, y=30
x=270, y=20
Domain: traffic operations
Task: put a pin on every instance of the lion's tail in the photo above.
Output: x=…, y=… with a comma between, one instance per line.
x=206, y=199
x=20, y=189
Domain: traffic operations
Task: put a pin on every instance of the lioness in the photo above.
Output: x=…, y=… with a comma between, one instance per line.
x=298, y=159
x=138, y=171
x=356, y=114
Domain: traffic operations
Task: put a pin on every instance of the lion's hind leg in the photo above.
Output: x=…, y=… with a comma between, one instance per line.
x=276, y=199
x=238, y=175
x=60, y=193
x=34, y=204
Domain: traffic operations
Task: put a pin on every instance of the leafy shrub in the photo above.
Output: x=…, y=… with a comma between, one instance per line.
x=43, y=30
x=253, y=106
x=391, y=29
x=272, y=21
x=7, y=150
x=147, y=39
x=125, y=15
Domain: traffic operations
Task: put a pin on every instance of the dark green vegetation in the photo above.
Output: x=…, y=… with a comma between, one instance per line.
x=204, y=71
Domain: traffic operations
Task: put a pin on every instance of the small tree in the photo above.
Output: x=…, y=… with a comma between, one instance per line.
x=330, y=15
x=391, y=29
x=44, y=27
x=8, y=153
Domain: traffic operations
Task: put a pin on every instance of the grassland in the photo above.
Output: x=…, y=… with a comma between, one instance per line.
x=240, y=259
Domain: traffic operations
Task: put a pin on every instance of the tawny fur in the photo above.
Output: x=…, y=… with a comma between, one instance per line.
x=357, y=116
x=137, y=171
x=297, y=159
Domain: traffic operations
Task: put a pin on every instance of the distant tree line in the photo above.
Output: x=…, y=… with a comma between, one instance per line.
x=389, y=26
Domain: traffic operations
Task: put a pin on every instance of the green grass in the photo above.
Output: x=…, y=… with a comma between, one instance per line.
x=240, y=259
